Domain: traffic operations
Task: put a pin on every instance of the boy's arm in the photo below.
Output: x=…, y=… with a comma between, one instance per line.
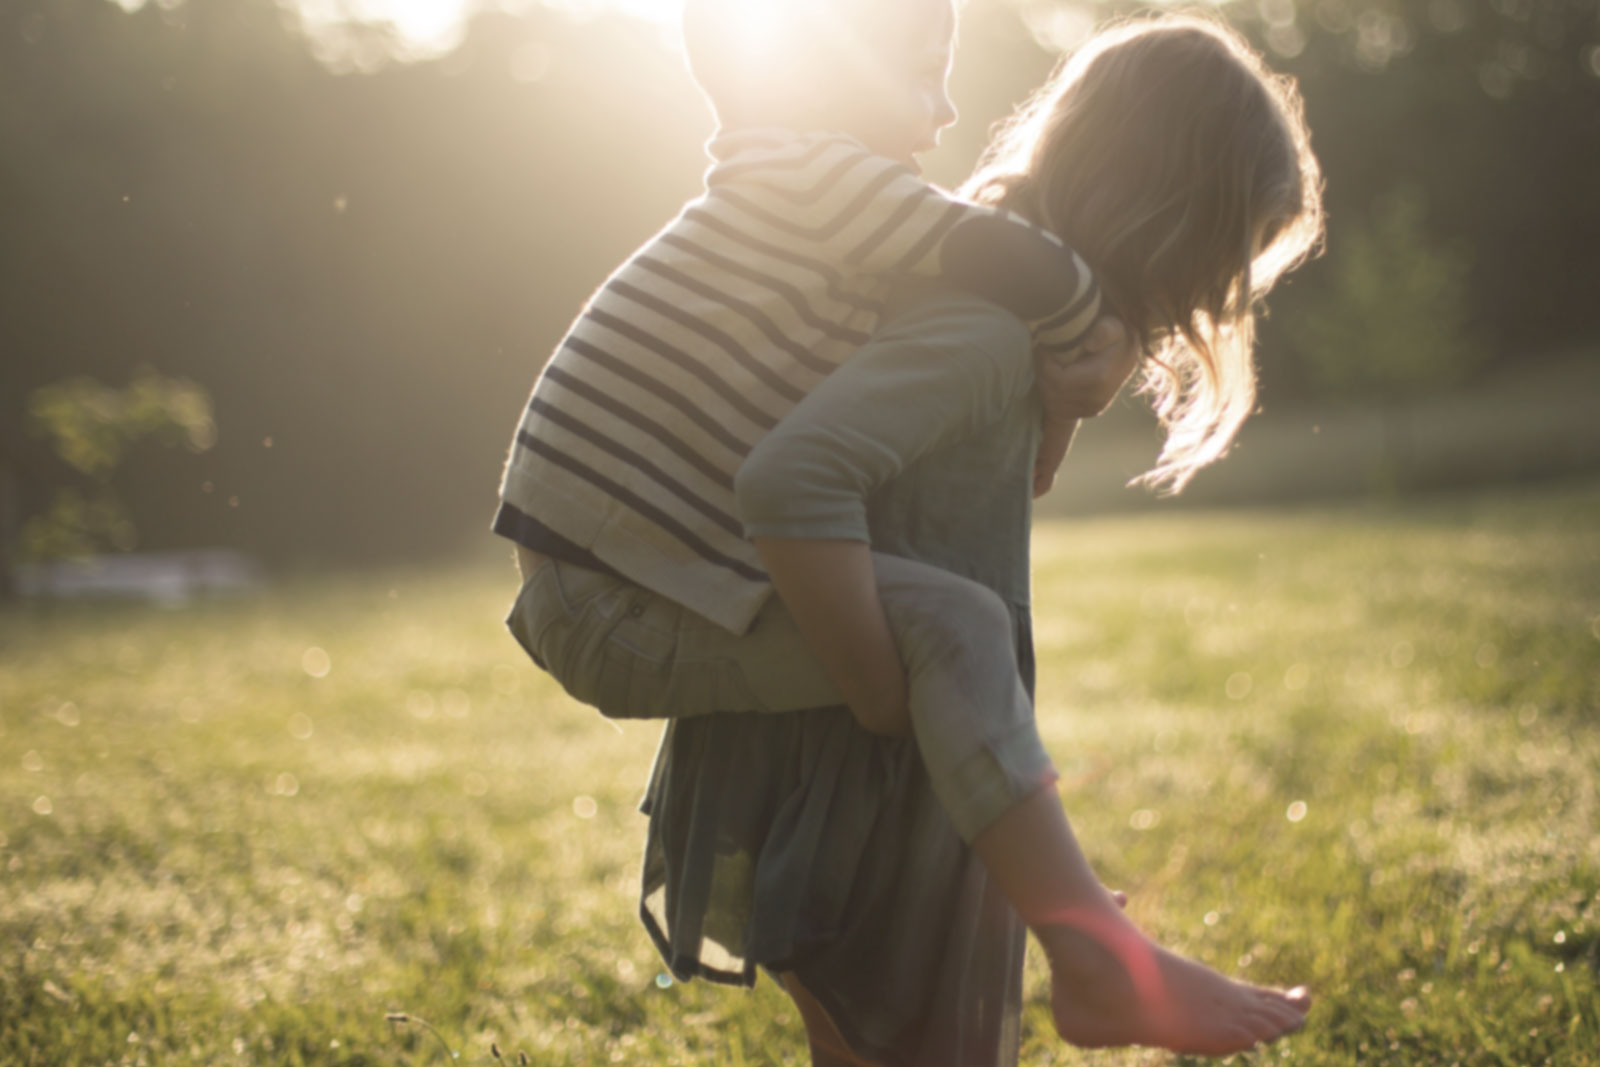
x=831, y=592
x=839, y=204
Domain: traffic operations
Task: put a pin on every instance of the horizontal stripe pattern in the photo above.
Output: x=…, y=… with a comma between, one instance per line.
x=697, y=345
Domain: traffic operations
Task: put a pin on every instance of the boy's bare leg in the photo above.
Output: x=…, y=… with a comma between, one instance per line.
x=1110, y=984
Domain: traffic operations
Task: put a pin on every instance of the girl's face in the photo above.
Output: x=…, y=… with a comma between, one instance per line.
x=903, y=118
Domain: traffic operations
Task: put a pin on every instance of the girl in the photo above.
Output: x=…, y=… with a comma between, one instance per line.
x=1180, y=167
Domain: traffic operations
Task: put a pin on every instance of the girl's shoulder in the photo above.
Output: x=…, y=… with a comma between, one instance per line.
x=958, y=323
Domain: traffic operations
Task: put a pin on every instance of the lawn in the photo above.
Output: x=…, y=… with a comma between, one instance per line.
x=1356, y=747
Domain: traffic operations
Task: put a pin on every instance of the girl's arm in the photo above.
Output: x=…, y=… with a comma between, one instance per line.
x=1079, y=390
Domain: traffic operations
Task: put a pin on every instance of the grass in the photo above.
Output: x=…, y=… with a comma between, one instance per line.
x=1355, y=747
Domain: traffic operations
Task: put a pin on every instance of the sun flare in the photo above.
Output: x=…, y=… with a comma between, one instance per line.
x=425, y=29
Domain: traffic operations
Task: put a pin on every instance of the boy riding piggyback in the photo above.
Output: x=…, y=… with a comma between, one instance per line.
x=704, y=339
x=643, y=596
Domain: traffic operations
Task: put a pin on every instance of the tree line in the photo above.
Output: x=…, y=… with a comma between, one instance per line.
x=365, y=268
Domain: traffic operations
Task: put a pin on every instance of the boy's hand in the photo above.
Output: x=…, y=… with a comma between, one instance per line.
x=1086, y=386
x=1078, y=390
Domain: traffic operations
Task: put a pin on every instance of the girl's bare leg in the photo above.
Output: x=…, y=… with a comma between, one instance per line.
x=1110, y=984
x=828, y=1047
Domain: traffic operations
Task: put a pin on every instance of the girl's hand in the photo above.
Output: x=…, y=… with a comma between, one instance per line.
x=1078, y=390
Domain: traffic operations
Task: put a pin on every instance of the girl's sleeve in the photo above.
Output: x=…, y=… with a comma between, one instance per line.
x=829, y=199
x=939, y=372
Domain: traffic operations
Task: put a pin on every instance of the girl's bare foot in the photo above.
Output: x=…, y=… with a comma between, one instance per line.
x=1111, y=985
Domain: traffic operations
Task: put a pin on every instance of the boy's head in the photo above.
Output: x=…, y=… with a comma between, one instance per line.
x=874, y=69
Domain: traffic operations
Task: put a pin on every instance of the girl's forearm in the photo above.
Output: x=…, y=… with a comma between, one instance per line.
x=831, y=591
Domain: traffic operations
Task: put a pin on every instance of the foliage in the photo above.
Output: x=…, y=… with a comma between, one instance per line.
x=90, y=427
x=1393, y=323
x=1352, y=747
x=369, y=268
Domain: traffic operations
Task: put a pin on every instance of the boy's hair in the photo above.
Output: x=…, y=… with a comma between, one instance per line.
x=784, y=62
x=1180, y=167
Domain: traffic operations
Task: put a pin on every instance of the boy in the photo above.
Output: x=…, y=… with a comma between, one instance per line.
x=694, y=348
x=619, y=492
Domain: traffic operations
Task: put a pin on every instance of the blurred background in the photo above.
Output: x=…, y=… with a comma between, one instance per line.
x=277, y=275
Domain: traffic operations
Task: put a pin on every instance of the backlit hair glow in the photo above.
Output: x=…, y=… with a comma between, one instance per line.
x=1180, y=167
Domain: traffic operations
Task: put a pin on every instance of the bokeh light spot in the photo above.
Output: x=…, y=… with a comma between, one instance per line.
x=300, y=727
x=421, y=704
x=1239, y=685
x=584, y=807
x=286, y=785
x=42, y=806
x=1296, y=677
x=316, y=662
x=1296, y=812
x=1495, y=78
x=32, y=761
x=67, y=714
x=663, y=980
x=1144, y=819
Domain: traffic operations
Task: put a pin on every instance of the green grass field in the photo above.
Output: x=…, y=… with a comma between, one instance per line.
x=1355, y=747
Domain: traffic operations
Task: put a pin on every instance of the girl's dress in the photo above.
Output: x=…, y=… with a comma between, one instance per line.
x=799, y=842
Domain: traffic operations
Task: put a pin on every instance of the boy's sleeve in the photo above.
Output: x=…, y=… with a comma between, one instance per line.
x=832, y=200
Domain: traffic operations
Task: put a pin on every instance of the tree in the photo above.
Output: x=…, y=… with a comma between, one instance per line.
x=90, y=427
x=1393, y=321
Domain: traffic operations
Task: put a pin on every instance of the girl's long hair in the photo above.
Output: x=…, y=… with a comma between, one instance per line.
x=1168, y=155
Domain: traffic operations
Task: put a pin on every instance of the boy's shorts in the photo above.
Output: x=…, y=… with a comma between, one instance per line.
x=634, y=654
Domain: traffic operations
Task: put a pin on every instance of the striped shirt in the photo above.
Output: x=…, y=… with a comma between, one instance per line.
x=708, y=335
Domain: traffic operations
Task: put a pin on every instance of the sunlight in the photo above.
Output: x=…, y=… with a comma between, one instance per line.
x=425, y=29
x=429, y=29
x=757, y=25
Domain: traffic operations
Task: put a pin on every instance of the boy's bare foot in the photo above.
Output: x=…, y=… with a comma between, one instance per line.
x=1111, y=985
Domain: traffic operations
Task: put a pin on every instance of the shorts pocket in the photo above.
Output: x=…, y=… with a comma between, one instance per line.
x=561, y=619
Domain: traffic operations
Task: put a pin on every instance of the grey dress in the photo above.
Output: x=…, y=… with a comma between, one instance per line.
x=800, y=842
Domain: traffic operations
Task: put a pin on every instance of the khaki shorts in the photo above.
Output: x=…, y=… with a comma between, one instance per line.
x=634, y=654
